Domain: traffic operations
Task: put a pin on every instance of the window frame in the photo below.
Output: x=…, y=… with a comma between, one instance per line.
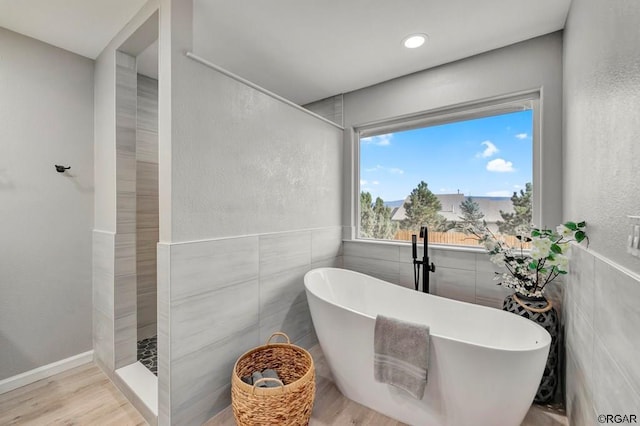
x=450, y=114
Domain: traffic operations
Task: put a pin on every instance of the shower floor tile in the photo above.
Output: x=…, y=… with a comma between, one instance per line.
x=148, y=353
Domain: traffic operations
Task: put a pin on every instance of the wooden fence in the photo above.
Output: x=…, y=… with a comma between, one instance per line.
x=455, y=238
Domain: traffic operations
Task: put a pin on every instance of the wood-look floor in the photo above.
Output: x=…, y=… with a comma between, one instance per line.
x=81, y=396
x=331, y=408
x=85, y=396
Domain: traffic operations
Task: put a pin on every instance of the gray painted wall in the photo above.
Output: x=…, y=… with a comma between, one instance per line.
x=329, y=108
x=533, y=64
x=601, y=175
x=602, y=125
x=46, y=118
x=247, y=164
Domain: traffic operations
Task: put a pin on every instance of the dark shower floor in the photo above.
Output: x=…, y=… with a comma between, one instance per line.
x=148, y=353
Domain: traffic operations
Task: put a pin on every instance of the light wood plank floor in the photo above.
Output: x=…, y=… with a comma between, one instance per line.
x=331, y=408
x=85, y=396
x=80, y=396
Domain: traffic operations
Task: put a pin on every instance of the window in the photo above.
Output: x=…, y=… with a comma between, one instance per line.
x=444, y=168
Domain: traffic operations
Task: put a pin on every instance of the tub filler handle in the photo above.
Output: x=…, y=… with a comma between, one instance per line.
x=427, y=266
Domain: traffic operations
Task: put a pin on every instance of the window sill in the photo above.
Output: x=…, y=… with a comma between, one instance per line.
x=437, y=247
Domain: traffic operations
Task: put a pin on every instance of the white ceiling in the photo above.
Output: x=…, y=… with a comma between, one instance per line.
x=84, y=27
x=306, y=50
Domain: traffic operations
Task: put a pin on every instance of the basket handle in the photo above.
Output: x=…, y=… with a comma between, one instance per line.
x=266, y=379
x=279, y=333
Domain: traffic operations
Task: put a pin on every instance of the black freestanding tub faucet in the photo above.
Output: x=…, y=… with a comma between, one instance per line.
x=427, y=267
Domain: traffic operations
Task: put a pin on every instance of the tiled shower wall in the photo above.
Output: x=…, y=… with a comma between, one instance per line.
x=103, y=298
x=602, y=321
x=226, y=297
x=124, y=285
x=114, y=254
x=147, y=223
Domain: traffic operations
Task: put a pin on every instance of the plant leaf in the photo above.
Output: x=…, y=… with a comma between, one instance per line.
x=579, y=236
x=571, y=225
x=556, y=248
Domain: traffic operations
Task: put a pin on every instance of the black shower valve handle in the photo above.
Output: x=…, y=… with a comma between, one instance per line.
x=61, y=169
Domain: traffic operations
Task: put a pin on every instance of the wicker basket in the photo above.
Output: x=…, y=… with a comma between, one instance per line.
x=288, y=404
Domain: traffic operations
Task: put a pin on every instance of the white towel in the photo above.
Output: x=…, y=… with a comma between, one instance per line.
x=401, y=354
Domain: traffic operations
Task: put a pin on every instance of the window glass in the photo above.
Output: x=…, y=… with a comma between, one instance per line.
x=444, y=172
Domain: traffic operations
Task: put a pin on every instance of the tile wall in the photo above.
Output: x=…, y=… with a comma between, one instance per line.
x=460, y=274
x=114, y=265
x=103, y=298
x=147, y=220
x=225, y=297
x=124, y=314
x=602, y=328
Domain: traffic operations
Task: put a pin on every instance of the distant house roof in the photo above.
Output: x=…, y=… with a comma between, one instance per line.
x=451, y=211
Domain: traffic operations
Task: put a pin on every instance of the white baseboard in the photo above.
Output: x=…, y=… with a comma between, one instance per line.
x=45, y=371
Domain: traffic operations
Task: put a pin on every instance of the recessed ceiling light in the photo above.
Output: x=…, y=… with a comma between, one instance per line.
x=414, y=40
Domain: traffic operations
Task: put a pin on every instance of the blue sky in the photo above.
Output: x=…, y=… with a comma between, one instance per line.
x=489, y=156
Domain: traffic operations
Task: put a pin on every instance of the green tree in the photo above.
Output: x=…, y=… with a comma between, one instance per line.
x=520, y=220
x=422, y=209
x=366, y=215
x=384, y=227
x=471, y=214
x=375, y=219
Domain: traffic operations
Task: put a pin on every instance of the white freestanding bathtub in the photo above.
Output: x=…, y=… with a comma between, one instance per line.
x=485, y=364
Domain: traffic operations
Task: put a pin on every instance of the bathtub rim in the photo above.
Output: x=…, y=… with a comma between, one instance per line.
x=545, y=344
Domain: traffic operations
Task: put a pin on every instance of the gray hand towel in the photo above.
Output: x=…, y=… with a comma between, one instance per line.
x=257, y=376
x=271, y=374
x=401, y=354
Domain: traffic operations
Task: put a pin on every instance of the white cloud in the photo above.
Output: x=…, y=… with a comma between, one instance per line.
x=500, y=165
x=490, y=150
x=518, y=186
x=375, y=182
x=380, y=140
x=378, y=167
x=503, y=193
x=363, y=182
x=522, y=136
